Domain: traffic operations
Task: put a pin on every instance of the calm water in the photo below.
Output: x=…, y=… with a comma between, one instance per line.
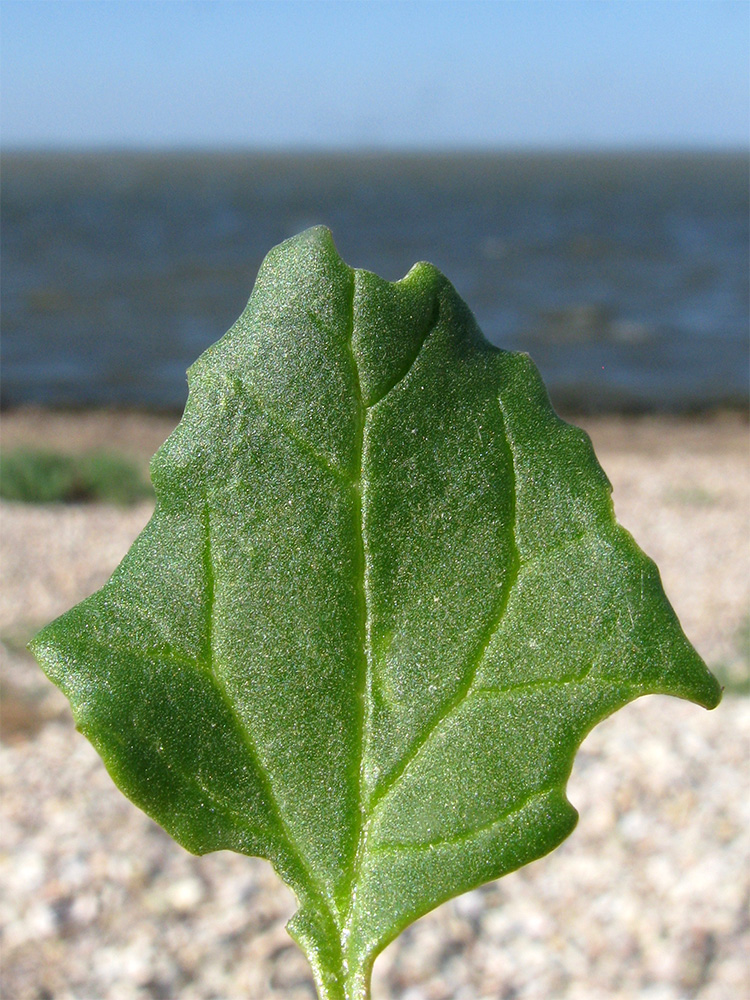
x=625, y=277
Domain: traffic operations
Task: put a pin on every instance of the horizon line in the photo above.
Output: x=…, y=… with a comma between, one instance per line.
x=197, y=149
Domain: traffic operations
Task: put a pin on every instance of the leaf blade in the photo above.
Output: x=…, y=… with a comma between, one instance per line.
x=381, y=601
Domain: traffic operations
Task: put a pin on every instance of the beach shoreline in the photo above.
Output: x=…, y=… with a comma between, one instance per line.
x=139, y=433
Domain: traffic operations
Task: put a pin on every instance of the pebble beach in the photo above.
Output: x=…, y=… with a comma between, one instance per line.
x=649, y=899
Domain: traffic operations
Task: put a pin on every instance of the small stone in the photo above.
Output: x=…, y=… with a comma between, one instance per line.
x=184, y=895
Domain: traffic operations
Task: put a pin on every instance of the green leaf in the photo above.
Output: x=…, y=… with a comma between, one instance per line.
x=380, y=603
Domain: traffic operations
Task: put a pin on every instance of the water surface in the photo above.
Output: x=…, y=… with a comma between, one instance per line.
x=625, y=277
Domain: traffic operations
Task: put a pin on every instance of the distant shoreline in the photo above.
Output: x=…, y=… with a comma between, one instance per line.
x=375, y=152
x=138, y=433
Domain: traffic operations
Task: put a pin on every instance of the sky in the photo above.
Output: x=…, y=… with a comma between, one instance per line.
x=375, y=74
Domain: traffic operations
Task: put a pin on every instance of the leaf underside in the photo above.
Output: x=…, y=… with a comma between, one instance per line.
x=381, y=601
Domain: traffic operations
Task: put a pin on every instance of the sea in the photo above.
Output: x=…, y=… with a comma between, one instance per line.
x=624, y=276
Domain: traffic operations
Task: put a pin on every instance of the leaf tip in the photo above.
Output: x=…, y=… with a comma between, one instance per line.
x=38, y=645
x=688, y=677
x=315, y=236
x=46, y=651
x=713, y=692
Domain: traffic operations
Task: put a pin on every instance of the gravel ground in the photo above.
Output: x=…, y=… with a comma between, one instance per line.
x=649, y=898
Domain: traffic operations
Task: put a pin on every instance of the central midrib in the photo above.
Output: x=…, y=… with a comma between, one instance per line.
x=358, y=489
x=363, y=618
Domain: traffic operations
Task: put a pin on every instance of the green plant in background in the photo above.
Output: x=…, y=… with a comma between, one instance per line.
x=380, y=603
x=33, y=476
x=734, y=675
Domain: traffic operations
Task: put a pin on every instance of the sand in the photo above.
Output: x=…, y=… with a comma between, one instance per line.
x=648, y=899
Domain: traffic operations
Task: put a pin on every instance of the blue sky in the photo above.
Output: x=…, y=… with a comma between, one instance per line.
x=375, y=73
